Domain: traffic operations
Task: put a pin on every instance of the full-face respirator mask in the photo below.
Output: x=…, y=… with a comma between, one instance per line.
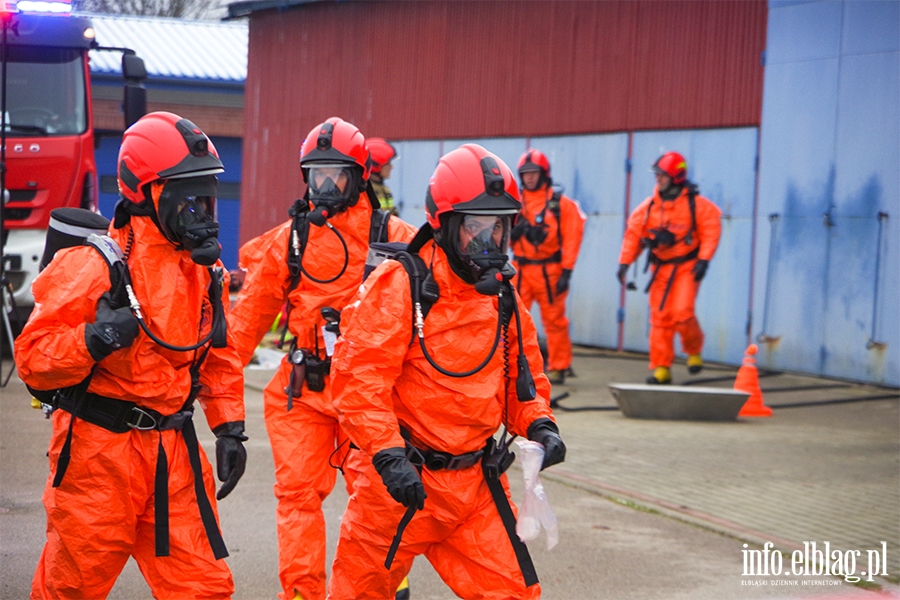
x=476, y=246
x=187, y=217
x=332, y=188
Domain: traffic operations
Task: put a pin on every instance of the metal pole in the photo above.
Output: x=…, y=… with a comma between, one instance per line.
x=3, y=62
x=620, y=313
x=872, y=343
x=6, y=299
x=764, y=336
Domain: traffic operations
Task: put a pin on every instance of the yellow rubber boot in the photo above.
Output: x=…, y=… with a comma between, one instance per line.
x=556, y=377
x=403, y=590
x=298, y=595
x=661, y=375
x=694, y=364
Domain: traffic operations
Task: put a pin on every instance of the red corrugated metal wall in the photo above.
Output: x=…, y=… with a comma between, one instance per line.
x=452, y=69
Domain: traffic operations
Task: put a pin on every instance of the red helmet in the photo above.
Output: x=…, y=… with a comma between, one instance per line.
x=162, y=145
x=382, y=153
x=471, y=180
x=337, y=142
x=534, y=160
x=673, y=165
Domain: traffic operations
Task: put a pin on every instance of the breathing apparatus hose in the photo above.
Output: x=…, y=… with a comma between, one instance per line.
x=136, y=310
x=525, y=388
x=420, y=328
x=346, y=258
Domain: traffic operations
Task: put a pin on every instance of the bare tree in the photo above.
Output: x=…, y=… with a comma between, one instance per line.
x=185, y=9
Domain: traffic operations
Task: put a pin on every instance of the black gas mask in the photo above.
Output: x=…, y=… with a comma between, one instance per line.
x=476, y=246
x=332, y=188
x=187, y=217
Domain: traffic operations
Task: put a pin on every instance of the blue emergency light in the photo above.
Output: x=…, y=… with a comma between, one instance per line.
x=56, y=7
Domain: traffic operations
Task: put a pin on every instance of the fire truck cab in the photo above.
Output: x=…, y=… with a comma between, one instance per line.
x=49, y=133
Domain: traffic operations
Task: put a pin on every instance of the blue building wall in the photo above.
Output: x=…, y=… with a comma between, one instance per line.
x=809, y=260
x=593, y=169
x=827, y=273
x=229, y=204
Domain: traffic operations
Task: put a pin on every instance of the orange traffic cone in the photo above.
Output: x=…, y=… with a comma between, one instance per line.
x=748, y=381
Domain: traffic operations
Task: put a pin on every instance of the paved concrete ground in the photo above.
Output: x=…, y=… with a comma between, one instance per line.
x=827, y=471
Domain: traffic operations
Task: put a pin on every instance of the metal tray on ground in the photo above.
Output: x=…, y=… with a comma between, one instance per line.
x=673, y=402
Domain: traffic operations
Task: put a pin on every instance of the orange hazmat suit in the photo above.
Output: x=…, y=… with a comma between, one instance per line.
x=306, y=440
x=383, y=381
x=541, y=265
x=673, y=289
x=103, y=510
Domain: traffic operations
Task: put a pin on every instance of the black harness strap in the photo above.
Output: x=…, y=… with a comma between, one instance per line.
x=65, y=454
x=378, y=228
x=417, y=461
x=553, y=258
x=297, y=238
x=553, y=205
x=206, y=512
x=547, y=283
x=417, y=271
x=659, y=263
x=161, y=484
x=509, y=523
x=556, y=257
x=161, y=497
x=395, y=543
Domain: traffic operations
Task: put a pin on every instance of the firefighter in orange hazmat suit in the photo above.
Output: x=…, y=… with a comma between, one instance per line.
x=383, y=152
x=423, y=403
x=681, y=230
x=127, y=476
x=313, y=261
x=545, y=243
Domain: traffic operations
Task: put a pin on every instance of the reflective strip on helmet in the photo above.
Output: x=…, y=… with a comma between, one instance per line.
x=200, y=173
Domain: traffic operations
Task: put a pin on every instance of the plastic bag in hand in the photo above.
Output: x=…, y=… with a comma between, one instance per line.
x=535, y=511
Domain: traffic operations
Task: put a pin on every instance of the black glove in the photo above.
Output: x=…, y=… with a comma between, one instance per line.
x=112, y=329
x=699, y=269
x=519, y=229
x=545, y=432
x=620, y=274
x=400, y=477
x=231, y=457
x=662, y=237
x=562, y=284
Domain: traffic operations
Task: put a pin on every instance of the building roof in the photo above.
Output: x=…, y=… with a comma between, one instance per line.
x=245, y=8
x=177, y=50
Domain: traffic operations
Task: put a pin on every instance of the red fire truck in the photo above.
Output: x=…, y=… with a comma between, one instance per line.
x=49, y=130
